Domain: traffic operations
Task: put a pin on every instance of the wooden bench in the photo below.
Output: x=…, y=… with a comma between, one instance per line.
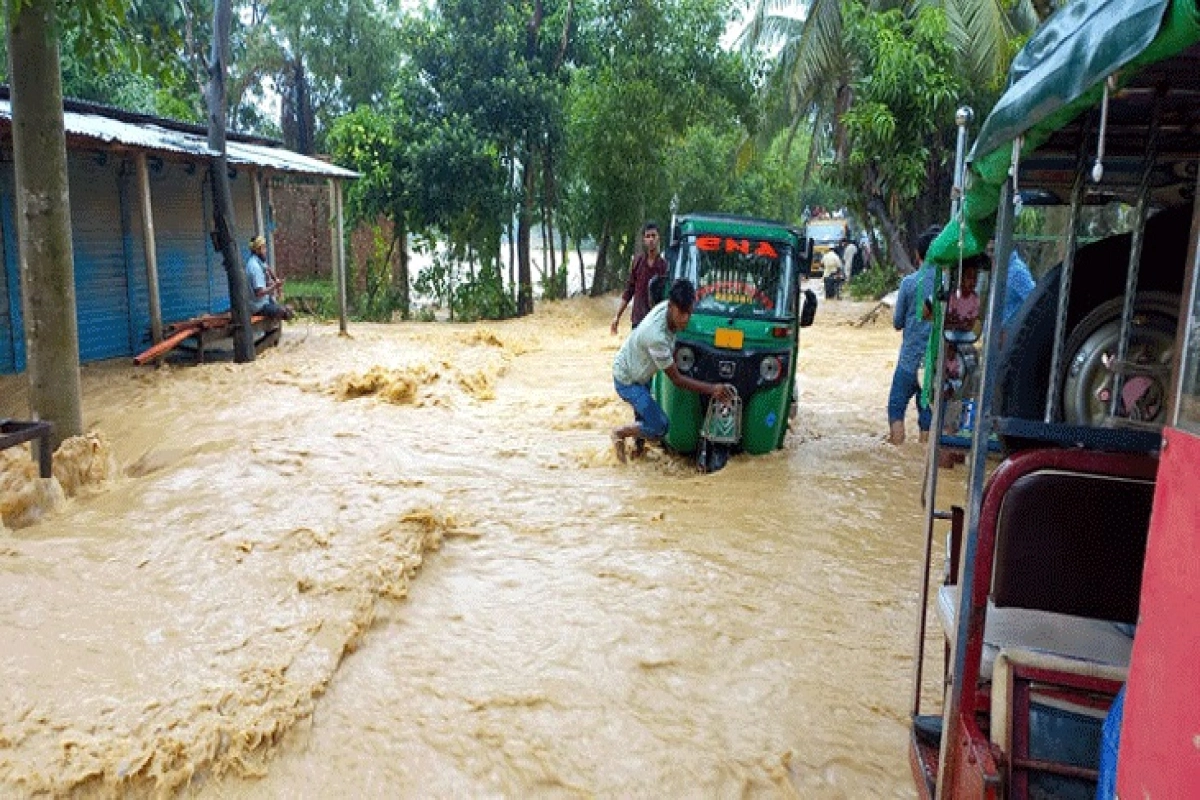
x=198, y=334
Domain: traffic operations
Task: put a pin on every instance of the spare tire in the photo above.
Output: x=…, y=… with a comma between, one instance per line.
x=1023, y=368
x=1093, y=343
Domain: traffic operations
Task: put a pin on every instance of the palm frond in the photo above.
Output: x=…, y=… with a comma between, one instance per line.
x=979, y=31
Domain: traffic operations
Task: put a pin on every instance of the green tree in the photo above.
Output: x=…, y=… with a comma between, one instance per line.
x=648, y=73
x=904, y=88
x=325, y=58
x=376, y=142
x=813, y=73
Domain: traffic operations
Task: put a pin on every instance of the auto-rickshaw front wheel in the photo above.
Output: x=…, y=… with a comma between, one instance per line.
x=711, y=456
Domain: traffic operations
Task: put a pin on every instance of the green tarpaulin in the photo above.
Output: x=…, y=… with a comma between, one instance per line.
x=1057, y=76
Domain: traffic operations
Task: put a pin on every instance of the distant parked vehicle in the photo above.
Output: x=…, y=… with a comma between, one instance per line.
x=827, y=233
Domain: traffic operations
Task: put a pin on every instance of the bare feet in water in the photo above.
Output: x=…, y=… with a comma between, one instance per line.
x=619, y=447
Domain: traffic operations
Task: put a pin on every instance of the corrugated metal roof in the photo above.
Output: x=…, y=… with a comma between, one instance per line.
x=149, y=136
x=282, y=160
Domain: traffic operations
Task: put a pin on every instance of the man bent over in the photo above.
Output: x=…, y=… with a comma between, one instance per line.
x=648, y=349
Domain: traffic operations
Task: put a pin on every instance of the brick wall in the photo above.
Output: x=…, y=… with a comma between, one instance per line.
x=302, y=233
x=302, y=230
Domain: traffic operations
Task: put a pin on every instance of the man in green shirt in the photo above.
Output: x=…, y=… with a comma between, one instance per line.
x=648, y=349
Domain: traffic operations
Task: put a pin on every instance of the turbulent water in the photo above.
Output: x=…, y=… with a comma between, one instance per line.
x=406, y=563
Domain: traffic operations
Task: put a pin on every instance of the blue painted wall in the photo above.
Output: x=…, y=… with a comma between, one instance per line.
x=12, y=332
x=102, y=280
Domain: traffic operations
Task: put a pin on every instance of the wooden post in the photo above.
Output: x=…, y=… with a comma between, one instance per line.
x=338, y=243
x=259, y=228
x=269, y=232
x=151, y=246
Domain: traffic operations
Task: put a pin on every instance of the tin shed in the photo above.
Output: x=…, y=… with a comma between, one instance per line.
x=141, y=210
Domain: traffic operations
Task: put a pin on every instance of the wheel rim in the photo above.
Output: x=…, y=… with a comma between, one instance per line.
x=1088, y=386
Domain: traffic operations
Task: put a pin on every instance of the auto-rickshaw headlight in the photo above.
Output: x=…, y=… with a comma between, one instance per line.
x=770, y=369
x=685, y=359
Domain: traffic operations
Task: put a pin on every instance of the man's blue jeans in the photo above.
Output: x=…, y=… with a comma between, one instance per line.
x=904, y=387
x=651, y=418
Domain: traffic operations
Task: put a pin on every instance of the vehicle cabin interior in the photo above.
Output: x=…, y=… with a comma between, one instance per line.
x=1059, y=597
x=1052, y=561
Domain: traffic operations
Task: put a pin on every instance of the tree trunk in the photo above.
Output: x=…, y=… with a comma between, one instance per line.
x=224, y=228
x=898, y=251
x=548, y=202
x=295, y=109
x=583, y=287
x=600, y=279
x=525, y=216
x=401, y=280
x=533, y=30
x=512, y=239
x=44, y=219
x=566, y=260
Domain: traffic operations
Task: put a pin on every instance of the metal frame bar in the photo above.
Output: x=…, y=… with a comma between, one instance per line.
x=1187, y=306
x=962, y=118
x=998, y=285
x=13, y=433
x=1053, y=396
x=1135, y=260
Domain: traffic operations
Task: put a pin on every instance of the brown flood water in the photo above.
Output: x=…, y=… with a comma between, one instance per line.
x=407, y=564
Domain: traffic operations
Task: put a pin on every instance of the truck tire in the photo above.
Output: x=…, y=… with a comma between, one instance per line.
x=1023, y=366
x=1094, y=340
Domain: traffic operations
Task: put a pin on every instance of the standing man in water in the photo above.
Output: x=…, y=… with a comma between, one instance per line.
x=913, y=315
x=648, y=349
x=645, y=267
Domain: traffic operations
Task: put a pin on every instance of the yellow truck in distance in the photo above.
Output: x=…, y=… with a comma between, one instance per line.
x=826, y=233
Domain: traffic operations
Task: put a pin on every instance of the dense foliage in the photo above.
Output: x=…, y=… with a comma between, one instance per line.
x=477, y=123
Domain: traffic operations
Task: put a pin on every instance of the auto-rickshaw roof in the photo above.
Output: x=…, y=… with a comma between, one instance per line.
x=745, y=227
x=1056, y=84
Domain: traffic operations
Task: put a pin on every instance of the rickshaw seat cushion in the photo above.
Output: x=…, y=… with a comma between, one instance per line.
x=1072, y=543
x=1093, y=640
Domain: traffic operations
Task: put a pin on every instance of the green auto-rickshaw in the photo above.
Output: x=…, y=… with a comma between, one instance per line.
x=744, y=330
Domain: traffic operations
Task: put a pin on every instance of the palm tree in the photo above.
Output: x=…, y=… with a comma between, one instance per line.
x=811, y=72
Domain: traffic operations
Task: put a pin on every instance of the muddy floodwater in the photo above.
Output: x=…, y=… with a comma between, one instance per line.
x=405, y=563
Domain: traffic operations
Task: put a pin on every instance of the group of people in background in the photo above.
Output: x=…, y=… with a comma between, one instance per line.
x=838, y=265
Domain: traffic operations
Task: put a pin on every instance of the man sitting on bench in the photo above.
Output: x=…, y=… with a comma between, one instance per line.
x=264, y=285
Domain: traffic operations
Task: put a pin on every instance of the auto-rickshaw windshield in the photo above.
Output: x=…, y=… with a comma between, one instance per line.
x=742, y=277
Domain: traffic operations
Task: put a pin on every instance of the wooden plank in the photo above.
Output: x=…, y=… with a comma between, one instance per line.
x=166, y=345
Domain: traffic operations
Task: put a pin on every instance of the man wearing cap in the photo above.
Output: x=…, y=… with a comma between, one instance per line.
x=263, y=283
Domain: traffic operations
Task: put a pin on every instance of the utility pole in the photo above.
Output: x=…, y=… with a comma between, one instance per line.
x=224, y=231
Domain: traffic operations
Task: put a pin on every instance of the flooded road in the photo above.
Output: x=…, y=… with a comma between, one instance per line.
x=406, y=563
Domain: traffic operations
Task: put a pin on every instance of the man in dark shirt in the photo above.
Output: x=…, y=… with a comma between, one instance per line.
x=650, y=264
